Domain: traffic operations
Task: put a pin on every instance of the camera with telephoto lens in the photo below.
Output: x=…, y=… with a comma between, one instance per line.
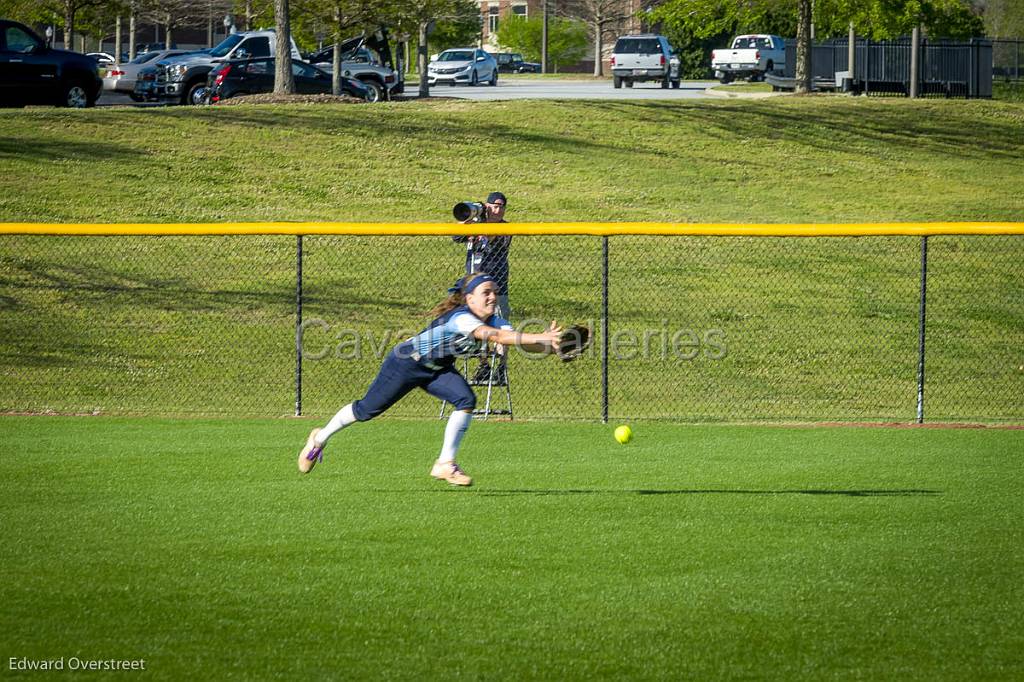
x=469, y=210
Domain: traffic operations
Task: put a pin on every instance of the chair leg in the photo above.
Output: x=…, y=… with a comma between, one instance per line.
x=490, y=384
x=508, y=394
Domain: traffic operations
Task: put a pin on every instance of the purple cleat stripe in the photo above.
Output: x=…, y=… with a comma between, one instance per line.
x=316, y=455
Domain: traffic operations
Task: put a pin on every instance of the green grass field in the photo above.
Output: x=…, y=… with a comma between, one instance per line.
x=691, y=553
x=694, y=552
x=779, y=160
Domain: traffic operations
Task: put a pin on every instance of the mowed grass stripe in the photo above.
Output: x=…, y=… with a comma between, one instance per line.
x=784, y=160
x=694, y=551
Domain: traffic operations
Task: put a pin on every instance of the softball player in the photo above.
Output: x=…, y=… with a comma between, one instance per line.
x=464, y=322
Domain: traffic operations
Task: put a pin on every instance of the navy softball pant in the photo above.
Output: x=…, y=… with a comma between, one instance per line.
x=400, y=374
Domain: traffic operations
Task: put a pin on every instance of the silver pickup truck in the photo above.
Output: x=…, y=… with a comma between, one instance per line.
x=182, y=79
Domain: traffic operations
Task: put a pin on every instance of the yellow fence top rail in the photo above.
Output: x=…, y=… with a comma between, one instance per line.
x=598, y=229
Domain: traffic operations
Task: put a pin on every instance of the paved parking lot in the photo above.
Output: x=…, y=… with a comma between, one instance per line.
x=525, y=89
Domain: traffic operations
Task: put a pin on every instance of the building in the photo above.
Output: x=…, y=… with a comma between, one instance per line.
x=493, y=11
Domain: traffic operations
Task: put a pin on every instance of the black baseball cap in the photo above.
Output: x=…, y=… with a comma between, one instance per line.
x=494, y=196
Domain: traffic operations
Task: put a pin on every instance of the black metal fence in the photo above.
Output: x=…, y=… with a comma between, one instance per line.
x=1008, y=59
x=688, y=328
x=945, y=68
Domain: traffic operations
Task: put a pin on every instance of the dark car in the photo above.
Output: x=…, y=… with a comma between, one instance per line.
x=32, y=73
x=145, y=86
x=512, y=62
x=252, y=76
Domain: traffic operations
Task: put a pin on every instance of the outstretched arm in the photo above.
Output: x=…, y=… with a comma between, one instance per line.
x=545, y=342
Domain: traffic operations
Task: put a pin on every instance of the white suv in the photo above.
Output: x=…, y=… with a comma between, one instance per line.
x=644, y=57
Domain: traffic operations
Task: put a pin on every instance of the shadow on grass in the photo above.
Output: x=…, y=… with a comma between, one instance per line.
x=46, y=149
x=828, y=128
x=910, y=492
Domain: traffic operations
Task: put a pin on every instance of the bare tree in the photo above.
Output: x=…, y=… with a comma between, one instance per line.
x=175, y=13
x=602, y=17
x=422, y=14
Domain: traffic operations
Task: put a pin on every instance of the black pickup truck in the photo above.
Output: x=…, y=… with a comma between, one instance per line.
x=32, y=73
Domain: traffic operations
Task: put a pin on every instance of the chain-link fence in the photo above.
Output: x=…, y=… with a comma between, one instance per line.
x=686, y=328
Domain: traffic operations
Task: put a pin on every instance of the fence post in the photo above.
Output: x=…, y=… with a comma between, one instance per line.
x=920, y=330
x=604, y=330
x=915, y=48
x=851, y=53
x=298, y=326
x=867, y=65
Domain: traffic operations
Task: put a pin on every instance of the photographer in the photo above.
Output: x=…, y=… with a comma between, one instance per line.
x=489, y=254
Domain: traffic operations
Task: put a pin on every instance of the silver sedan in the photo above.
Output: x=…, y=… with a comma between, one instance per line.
x=467, y=65
x=121, y=77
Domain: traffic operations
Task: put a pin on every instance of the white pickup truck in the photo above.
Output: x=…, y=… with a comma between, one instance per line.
x=750, y=56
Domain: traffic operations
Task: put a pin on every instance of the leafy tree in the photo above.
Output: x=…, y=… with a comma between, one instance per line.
x=888, y=19
x=1004, y=18
x=690, y=22
x=461, y=28
x=567, y=38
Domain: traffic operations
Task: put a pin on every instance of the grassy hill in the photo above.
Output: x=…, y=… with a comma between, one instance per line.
x=814, y=329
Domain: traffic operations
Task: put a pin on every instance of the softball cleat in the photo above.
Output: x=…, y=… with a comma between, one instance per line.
x=450, y=471
x=311, y=454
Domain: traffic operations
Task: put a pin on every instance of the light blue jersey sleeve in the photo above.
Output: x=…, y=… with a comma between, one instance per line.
x=455, y=336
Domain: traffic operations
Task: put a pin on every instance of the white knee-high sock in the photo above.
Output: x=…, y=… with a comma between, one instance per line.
x=453, y=433
x=339, y=421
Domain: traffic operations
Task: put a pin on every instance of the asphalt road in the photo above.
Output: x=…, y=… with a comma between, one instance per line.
x=525, y=89
x=567, y=89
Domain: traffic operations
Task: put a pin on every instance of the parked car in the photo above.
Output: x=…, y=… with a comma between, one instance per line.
x=253, y=76
x=512, y=62
x=751, y=56
x=32, y=73
x=644, y=57
x=145, y=86
x=367, y=58
x=155, y=47
x=182, y=79
x=121, y=77
x=464, y=65
x=102, y=58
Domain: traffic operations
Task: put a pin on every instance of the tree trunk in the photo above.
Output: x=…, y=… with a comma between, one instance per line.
x=421, y=60
x=598, y=48
x=117, y=40
x=284, y=80
x=544, y=40
x=803, y=47
x=248, y=15
x=131, y=34
x=167, y=32
x=336, y=54
x=69, y=24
